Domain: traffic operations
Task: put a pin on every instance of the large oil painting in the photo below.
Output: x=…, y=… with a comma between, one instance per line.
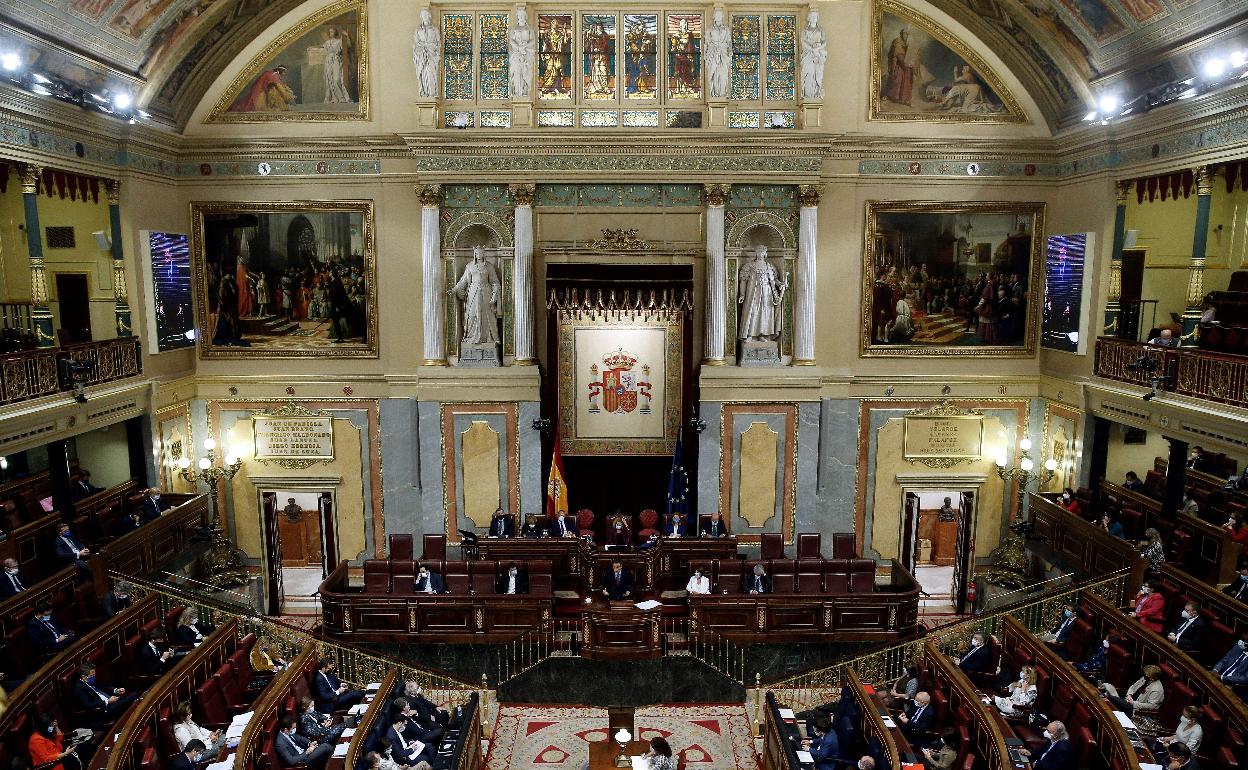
x=285, y=280
x=951, y=278
x=919, y=71
x=316, y=71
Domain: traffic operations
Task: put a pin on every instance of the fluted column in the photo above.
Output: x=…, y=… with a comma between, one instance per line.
x=804, y=297
x=121, y=310
x=40, y=313
x=522, y=194
x=1113, y=304
x=716, y=276
x=1200, y=238
x=433, y=292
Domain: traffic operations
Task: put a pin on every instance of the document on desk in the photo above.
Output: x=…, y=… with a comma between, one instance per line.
x=341, y=749
x=225, y=764
x=805, y=758
x=889, y=723
x=347, y=733
x=1124, y=720
x=641, y=763
x=1147, y=766
x=648, y=604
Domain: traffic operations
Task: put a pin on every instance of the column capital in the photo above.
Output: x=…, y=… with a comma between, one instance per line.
x=1123, y=190
x=717, y=194
x=430, y=195
x=809, y=194
x=112, y=189
x=523, y=193
x=29, y=173
x=1204, y=179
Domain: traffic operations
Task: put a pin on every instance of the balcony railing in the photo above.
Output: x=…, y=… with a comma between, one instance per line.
x=1198, y=373
x=37, y=373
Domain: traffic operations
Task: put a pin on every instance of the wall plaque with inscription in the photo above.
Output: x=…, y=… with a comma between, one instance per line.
x=294, y=438
x=958, y=437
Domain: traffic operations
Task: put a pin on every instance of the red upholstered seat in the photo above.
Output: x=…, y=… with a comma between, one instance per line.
x=401, y=547
x=809, y=576
x=434, y=548
x=809, y=545
x=843, y=545
x=376, y=576
x=782, y=572
x=729, y=572
x=649, y=518
x=585, y=520
x=836, y=576
x=772, y=545
x=402, y=576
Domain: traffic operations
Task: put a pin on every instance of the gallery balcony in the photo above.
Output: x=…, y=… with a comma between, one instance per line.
x=1193, y=372
x=41, y=372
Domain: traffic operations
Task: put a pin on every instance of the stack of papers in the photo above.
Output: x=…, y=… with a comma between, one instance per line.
x=1124, y=720
x=640, y=763
x=787, y=715
x=225, y=764
x=648, y=604
x=889, y=723
x=358, y=708
x=242, y=718
x=347, y=733
x=341, y=749
x=805, y=758
x=372, y=687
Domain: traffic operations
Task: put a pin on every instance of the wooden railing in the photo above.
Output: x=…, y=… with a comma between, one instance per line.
x=1084, y=545
x=31, y=545
x=778, y=752
x=1228, y=610
x=368, y=720
x=892, y=744
x=157, y=542
x=57, y=589
x=36, y=373
x=268, y=709
x=1198, y=373
x=467, y=754
x=987, y=740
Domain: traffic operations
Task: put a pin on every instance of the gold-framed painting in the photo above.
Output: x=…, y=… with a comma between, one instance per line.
x=921, y=72
x=285, y=279
x=951, y=278
x=316, y=71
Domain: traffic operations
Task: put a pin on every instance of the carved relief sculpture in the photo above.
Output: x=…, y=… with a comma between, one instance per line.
x=814, y=56
x=718, y=54
x=426, y=55
x=520, y=50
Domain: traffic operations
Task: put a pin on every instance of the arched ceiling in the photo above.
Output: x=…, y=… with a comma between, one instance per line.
x=168, y=51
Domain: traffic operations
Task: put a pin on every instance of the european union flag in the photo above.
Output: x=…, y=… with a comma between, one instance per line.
x=678, y=484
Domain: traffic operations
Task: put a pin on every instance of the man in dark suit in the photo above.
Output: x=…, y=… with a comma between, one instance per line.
x=513, y=580
x=978, y=659
x=67, y=550
x=714, y=527
x=189, y=756
x=563, y=526
x=82, y=487
x=329, y=693
x=918, y=718
x=428, y=582
x=45, y=635
x=825, y=747
x=534, y=526
x=12, y=582
x=294, y=749
x=1061, y=632
x=153, y=657
x=1233, y=668
x=1190, y=631
x=756, y=581
x=404, y=751
x=150, y=507
x=674, y=526
x=502, y=525
x=1058, y=754
x=1238, y=587
x=102, y=703
x=117, y=599
x=129, y=523
x=1182, y=758
x=1196, y=459
x=427, y=732
x=618, y=584
x=427, y=711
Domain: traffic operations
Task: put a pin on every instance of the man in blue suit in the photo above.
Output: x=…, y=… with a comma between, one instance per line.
x=1058, y=754
x=404, y=751
x=329, y=692
x=918, y=719
x=102, y=703
x=825, y=748
x=150, y=507
x=674, y=526
x=293, y=749
x=502, y=525
x=1233, y=668
x=69, y=551
x=978, y=660
x=563, y=526
x=428, y=582
x=188, y=757
x=45, y=635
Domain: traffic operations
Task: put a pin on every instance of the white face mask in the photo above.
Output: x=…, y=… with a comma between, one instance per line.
x=976, y=642
x=1105, y=644
x=1050, y=735
x=1186, y=615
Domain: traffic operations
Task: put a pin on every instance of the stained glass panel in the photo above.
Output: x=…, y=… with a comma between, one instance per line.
x=496, y=118
x=684, y=55
x=641, y=118
x=781, y=57
x=598, y=56
x=746, y=48
x=457, y=119
x=599, y=118
x=554, y=60
x=457, y=56
x=684, y=119
x=779, y=118
x=641, y=56
x=562, y=118
x=744, y=120
x=494, y=56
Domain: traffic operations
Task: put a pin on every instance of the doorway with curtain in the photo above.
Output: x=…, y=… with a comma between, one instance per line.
x=300, y=548
x=937, y=546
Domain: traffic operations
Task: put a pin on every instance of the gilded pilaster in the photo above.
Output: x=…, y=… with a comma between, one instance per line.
x=40, y=313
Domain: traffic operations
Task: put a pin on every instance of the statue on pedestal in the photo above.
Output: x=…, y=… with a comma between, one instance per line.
x=426, y=55
x=520, y=50
x=814, y=56
x=478, y=287
x=717, y=53
x=760, y=294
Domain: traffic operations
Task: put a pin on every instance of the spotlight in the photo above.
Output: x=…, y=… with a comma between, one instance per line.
x=1214, y=68
x=122, y=101
x=1238, y=59
x=10, y=61
x=1108, y=105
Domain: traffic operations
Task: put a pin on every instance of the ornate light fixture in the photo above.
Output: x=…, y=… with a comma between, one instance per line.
x=1009, y=559
x=221, y=566
x=623, y=737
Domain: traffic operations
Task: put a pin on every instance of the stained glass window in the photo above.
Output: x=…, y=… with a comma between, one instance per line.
x=496, y=118
x=744, y=120
x=641, y=56
x=561, y=118
x=781, y=57
x=684, y=55
x=494, y=56
x=554, y=59
x=641, y=118
x=600, y=118
x=457, y=56
x=598, y=39
x=746, y=48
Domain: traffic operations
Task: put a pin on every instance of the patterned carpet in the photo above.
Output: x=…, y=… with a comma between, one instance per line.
x=705, y=737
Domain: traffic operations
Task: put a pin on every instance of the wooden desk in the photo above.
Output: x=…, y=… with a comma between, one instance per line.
x=602, y=754
x=618, y=630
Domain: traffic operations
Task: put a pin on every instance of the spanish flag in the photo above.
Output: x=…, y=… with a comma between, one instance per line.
x=556, y=487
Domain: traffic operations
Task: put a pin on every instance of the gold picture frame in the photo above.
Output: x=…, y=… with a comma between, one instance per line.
x=271, y=56
x=882, y=271
x=983, y=86
x=206, y=318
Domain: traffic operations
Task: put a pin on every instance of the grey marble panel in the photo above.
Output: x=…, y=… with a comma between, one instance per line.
x=808, y=440
x=532, y=490
x=432, y=516
x=708, y=457
x=400, y=459
x=838, y=470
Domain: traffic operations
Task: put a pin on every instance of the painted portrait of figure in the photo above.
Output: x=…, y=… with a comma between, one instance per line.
x=1099, y=18
x=598, y=54
x=684, y=55
x=318, y=72
x=554, y=56
x=136, y=16
x=641, y=63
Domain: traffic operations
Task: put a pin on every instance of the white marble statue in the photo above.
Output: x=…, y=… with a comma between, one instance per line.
x=426, y=55
x=759, y=293
x=717, y=53
x=814, y=56
x=520, y=49
x=478, y=288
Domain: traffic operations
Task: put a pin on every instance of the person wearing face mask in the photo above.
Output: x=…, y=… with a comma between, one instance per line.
x=502, y=525
x=294, y=749
x=1061, y=632
x=534, y=527
x=943, y=752
x=315, y=726
x=978, y=659
x=1153, y=549
x=67, y=550
x=264, y=660
x=102, y=702
x=186, y=731
x=190, y=755
x=331, y=694
x=698, y=583
x=150, y=507
x=1111, y=524
x=1190, y=631
x=1190, y=506
x=1189, y=733
x=1238, y=588
x=1150, y=607
x=563, y=526
x=757, y=581
x=44, y=633
x=918, y=717
x=1132, y=482
x=427, y=712
x=12, y=582
x=1022, y=693
x=1196, y=459
x=403, y=750
x=1143, y=699
x=621, y=534
x=428, y=582
x=713, y=526
x=1094, y=666
x=1057, y=754
x=47, y=749
x=154, y=657
x=190, y=629
x=116, y=599
x=513, y=580
x=1182, y=757
x=1233, y=668
x=675, y=526
x=1068, y=501
x=413, y=728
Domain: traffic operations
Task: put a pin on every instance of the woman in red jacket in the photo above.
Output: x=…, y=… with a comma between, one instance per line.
x=46, y=747
x=1150, y=608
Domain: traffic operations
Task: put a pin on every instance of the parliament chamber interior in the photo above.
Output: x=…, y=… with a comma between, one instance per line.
x=853, y=385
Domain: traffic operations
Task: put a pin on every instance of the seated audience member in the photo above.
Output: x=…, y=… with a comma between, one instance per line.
x=294, y=749
x=1233, y=668
x=513, y=580
x=1190, y=506
x=978, y=659
x=154, y=657
x=329, y=692
x=12, y=582
x=619, y=534
x=1094, y=666
x=102, y=702
x=428, y=582
x=904, y=689
x=191, y=754
x=47, y=748
x=116, y=600
x=1020, y=694
x=414, y=729
x=943, y=752
x=563, y=526
x=1189, y=733
x=403, y=750
x=186, y=731
x=1238, y=588
x=534, y=527
x=1144, y=697
x=659, y=757
x=1166, y=339
x=1196, y=459
x=1132, y=482
x=1150, y=607
x=189, y=629
x=68, y=550
x=1069, y=502
x=917, y=718
x=150, y=507
x=1058, y=753
x=427, y=711
x=375, y=761
x=824, y=746
x=82, y=486
x=674, y=526
x=1190, y=631
x=264, y=660
x=618, y=583
x=698, y=583
x=1182, y=757
x=130, y=522
x=502, y=525
x=866, y=763
x=316, y=726
x=1152, y=549
x=756, y=582
x=1062, y=630
x=714, y=527
x=44, y=634
x=1110, y=523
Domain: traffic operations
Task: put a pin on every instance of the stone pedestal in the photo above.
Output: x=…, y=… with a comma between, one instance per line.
x=427, y=114
x=479, y=354
x=759, y=352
